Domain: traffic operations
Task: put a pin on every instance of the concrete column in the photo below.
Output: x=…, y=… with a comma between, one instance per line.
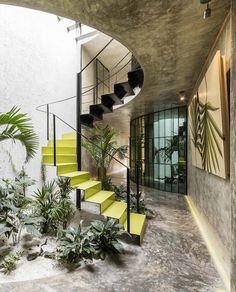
x=233, y=148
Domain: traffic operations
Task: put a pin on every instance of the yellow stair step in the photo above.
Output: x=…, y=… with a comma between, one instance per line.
x=87, y=184
x=137, y=225
x=77, y=177
x=116, y=210
x=100, y=197
x=75, y=173
x=59, y=150
x=69, y=136
x=104, y=198
x=63, y=143
x=60, y=158
x=66, y=168
x=90, y=187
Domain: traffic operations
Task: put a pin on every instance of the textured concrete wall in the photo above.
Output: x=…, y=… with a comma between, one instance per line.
x=210, y=193
x=38, y=63
x=233, y=149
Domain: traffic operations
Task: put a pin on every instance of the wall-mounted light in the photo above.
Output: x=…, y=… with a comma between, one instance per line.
x=182, y=95
x=207, y=11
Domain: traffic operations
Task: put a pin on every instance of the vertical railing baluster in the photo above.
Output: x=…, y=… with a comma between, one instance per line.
x=137, y=185
x=128, y=200
x=78, y=136
x=54, y=141
x=47, y=121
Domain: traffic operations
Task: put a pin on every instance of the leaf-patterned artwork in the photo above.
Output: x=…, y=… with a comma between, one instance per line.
x=206, y=116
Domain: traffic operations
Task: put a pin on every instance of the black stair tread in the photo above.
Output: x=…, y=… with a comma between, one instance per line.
x=123, y=89
x=135, y=78
x=111, y=96
x=96, y=112
x=87, y=120
x=103, y=107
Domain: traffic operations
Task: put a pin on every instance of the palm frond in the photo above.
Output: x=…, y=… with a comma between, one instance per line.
x=19, y=127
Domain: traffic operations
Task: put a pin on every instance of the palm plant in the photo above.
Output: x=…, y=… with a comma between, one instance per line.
x=53, y=205
x=16, y=126
x=103, y=148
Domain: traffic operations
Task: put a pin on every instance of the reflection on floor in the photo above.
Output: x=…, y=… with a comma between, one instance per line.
x=173, y=257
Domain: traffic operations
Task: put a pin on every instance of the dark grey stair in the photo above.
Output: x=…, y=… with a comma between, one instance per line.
x=108, y=98
x=87, y=120
x=135, y=78
x=96, y=111
x=123, y=89
x=105, y=109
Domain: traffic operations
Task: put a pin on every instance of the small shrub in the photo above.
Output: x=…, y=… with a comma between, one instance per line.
x=105, y=237
x=9, y=262
x=74, y=246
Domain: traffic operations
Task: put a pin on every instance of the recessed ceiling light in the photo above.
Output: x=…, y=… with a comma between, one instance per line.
x=182, y=95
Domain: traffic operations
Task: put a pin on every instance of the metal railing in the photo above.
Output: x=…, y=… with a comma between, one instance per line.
x=80, y=135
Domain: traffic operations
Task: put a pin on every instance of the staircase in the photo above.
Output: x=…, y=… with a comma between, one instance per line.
x=121, y=90
x=66, y=164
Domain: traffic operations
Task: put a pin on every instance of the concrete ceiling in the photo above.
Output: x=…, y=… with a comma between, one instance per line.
x=169, y=38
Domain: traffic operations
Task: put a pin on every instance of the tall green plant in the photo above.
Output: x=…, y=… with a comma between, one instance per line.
x=54, y=205
x=17, y=126
x=103, y=148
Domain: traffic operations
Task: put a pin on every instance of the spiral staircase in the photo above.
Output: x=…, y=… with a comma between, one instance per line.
x=63, y=154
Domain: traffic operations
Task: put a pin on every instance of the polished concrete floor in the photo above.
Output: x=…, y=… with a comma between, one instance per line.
x=173, y=257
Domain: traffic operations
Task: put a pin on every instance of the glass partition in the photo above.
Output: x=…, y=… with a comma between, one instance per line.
x=158, y=142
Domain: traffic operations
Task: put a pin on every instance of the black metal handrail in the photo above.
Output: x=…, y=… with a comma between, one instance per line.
x=83, y=93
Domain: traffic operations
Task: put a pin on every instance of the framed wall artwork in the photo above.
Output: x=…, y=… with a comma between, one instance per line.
x=209, y=121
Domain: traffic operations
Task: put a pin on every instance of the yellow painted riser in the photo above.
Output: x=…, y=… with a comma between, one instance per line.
x=59, y=150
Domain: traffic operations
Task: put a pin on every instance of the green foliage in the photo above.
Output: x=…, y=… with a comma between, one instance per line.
x=85, y=244
x=53, y=205
x=14, y=208
x=121, y=195
x=74, y=246
x=17, y=126
x=103, y=137
x=105, y=237
x=9, y=262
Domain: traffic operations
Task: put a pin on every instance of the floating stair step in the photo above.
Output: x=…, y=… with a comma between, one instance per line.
x=63, y=143
x=69, y=136
x=66, y=168
x=105, y=109
x=104, y=198
x=87, y=120
x=107, y=101
x=111, y=96
x=123, y=89
x=96, y=111
x=137, y=225
x=116, y=210
x=89, y=187
x=60, y=158
x=135, y=78
x=59, y=150
x=77, y=177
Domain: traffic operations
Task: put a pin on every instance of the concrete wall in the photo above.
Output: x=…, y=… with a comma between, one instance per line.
x=38, y=64
x=233, y=149
x=210, y=193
